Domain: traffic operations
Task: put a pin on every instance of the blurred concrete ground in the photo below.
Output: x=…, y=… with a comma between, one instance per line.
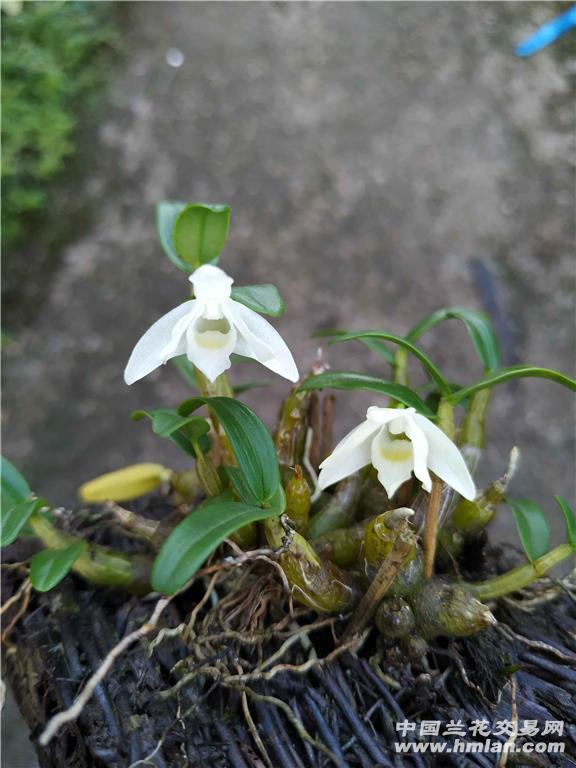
x=381, y=160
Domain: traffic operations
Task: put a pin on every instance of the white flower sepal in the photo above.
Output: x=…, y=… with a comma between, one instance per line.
x=208, y=329
x=397, y=442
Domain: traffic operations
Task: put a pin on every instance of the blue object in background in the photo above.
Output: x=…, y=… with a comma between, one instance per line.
x=547, y=33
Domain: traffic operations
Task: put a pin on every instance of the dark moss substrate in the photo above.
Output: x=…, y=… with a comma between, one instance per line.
x=66, y=633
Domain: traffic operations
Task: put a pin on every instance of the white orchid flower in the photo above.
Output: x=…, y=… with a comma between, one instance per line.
x=208, y=329
x=398, y=442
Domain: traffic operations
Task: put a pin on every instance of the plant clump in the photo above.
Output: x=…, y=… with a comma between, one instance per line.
x=371, y=533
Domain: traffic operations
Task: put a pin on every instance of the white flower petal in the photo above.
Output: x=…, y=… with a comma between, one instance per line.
x=260, y=340
x=150, y=351
x=210, y=344
x=384, y=415
x=351, y=454
x=445, y=460
x=394, y=460
x=211, y=284
x=420, y=449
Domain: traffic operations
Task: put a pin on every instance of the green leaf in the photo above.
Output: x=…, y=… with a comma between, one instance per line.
x=513, y=372
x=165, y=421
x=569, y=518
x=14, y=486
x=181, y=430
x=477, y=325
x=349, y=380
x=265, y=298
x=431, y=369
x=252, y=445
x=238, y=481
x=375, y=345
x=196, y=537
x=49, y=567
x=185, y=369
x=200, y=233
x=532, y=527
x=241, y=388
x=15, y=518
x=166, y=215
x=192, y=234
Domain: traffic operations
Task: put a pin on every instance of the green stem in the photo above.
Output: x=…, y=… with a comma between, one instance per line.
x=520, y=577
x=206, y=472
x=445, y=419
x=400, y=370
x=219, y=388
x=474, y=425
x=290, y=437
x=97, y=564
x=340, y=511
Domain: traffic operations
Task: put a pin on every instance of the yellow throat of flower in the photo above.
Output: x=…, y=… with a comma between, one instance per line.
x=212, y=334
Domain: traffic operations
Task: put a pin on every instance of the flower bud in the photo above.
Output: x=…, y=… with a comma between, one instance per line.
x=124, y=484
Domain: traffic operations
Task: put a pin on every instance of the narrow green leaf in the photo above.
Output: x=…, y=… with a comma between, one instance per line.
x=185, y=369
x=513, y=372
x=251, y=442
x=477, y=325
x=181, y=430
x=13, y=484
x=166, y=215
x=200, y=232
x=375, y=345
x=265, y=298
x=15, y=518
x=431, y=369
x=532, y=527
x=252, y=445
x=166, y=421
x=569, y=518
x=350, y=380
x=196, y=537
x=49, y=567
x=246, y=387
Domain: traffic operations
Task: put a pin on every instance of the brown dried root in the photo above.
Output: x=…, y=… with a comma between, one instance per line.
x=22, y=596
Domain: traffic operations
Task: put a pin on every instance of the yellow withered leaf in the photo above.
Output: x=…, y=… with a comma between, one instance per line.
x=124, y=484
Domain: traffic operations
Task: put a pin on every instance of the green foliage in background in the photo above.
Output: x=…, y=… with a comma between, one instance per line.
x=53, y=60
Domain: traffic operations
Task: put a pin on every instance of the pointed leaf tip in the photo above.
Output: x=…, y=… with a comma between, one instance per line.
x=49, y=567
x=533, y=527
